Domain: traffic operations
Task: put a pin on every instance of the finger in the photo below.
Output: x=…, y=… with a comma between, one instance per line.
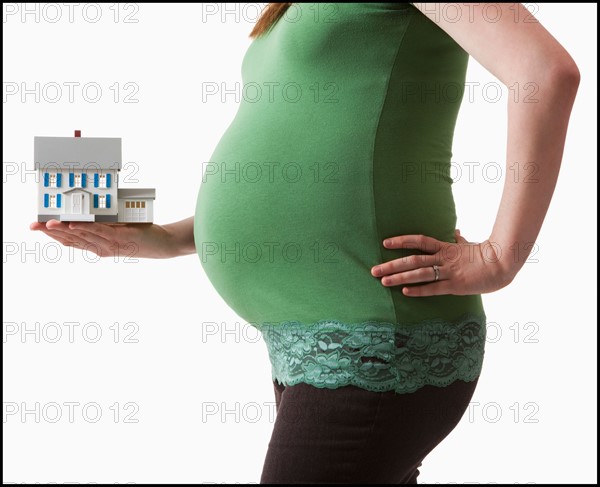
x=83, y=230
x=69, y=243
x=55, y=224
x=62, y=236
x=50, y=225
x=37, y=226
x=103, y=245
x=78, y=231
x=77, y=228
x=437, y=288
x=420, y=242
x=404, y=264
x=59, y=233
x=424, y=274
x=105, y=231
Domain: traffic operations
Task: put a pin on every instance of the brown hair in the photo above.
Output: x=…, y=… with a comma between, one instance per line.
x=270, y=15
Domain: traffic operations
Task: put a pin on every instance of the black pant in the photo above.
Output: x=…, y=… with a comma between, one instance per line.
x=351, y=435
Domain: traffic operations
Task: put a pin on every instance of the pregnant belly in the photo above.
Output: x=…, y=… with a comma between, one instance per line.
x=289, y=230
x=279, y=250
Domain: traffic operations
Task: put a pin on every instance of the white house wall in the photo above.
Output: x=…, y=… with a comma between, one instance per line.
x=101, y=214
x=149, y=210
x=49, y=212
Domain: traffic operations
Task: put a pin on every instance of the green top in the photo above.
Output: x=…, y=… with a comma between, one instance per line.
x=343, y=137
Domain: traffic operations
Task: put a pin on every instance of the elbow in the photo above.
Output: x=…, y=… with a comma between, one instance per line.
x=569, y=74
x=555, y=75
x=565, y=76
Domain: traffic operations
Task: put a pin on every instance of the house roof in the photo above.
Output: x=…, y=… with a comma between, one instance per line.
x=77, y=152
x=141, y=193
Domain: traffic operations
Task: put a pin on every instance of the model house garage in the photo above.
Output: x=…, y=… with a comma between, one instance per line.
x=78, y=181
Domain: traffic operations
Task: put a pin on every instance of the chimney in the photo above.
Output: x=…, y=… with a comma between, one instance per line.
x=78, y=133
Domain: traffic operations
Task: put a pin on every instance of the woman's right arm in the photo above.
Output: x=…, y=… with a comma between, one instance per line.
x=149, y=240
x=521, y=53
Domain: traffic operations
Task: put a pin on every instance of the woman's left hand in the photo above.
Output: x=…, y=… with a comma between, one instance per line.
x=463, y=267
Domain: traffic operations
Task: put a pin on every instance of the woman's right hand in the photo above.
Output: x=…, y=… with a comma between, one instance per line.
x=141, y=240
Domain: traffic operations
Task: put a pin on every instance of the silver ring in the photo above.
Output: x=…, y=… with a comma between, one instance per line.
x=436, y=269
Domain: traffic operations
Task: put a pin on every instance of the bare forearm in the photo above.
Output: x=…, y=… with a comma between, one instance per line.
x=181, y=237
x=536, y=138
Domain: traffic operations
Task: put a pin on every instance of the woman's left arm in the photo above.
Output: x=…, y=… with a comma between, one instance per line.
x=518, y=50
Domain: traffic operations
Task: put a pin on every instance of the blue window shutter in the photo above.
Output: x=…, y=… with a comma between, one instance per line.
x=95, y=201
x=59, y=180
x=108, y=201
x=83, y=179
x=46, y=179
x=71, y=180
x=46, y=200
x=58, y=198
x=96, y=180
x=108, y=180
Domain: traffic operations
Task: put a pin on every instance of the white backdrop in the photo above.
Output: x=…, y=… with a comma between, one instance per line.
x=144, y=388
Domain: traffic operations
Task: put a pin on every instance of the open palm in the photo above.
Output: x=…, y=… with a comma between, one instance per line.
x=105, y=240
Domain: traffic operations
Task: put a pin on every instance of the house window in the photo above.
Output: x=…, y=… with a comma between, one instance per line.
x=127, y=204
x=102, y=201
x=53, y=182
x=52, y=200
x=77, y=180
x=102, y=181
x=143, y=204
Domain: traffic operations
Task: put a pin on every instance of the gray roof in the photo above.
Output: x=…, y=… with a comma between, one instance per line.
x=77, y=152
x=147, y=193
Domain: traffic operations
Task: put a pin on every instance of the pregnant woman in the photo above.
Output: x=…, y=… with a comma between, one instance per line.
x=326, y=219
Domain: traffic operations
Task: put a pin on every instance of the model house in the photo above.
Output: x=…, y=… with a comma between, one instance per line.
x=78, y=181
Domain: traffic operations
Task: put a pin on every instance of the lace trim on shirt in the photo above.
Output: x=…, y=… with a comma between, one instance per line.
x=376, y=356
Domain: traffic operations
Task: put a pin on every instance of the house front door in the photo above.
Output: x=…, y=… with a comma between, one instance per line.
x=76, y=203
